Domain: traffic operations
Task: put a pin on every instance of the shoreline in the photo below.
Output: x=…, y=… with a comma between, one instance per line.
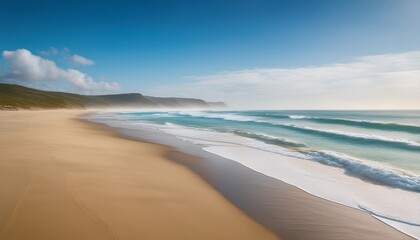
x=337, y=220
x=100, y=198
x=64, y=179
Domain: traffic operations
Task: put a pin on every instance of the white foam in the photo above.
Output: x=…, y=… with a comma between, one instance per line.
x=226, y=116
x=298, y=117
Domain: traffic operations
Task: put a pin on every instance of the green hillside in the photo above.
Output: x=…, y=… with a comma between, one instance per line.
x=19, y=97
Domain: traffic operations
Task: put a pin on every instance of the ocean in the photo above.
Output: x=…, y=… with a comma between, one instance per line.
x=369, y=160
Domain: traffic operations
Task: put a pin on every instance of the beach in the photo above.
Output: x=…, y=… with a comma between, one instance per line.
x=63, y=178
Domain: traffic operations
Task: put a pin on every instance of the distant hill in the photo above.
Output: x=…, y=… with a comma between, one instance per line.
x=19, y=97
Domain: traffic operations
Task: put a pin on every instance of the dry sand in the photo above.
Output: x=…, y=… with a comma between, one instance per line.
x=64, y=179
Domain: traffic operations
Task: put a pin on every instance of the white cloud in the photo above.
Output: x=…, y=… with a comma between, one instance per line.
x=370, y=82
x=26, y=67
x=50, y=51
x=77, y=59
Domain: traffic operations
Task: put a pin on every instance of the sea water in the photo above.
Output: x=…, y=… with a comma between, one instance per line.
x=369, y=160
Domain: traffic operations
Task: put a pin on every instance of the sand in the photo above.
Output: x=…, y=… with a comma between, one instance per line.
x=61, y=178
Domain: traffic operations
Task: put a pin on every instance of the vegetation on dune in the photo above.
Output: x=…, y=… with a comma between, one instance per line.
x=28, y=98
x=19, y=97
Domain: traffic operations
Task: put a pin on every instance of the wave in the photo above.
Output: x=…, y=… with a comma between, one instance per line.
x=371, y=124
x=297, y=116
x=273, y=140
x=225, y=116
x=353, y=166
x=357, y=138
x=387, y=126
x=390, y=177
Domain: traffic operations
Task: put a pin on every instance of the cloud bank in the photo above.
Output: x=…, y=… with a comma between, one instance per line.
x=77, y=59
x=25, y=67
x=389, y=81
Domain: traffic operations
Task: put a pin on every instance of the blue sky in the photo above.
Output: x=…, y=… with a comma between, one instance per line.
x=155, y=46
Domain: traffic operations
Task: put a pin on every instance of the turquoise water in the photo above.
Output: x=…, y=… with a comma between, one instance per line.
x=381, y=146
